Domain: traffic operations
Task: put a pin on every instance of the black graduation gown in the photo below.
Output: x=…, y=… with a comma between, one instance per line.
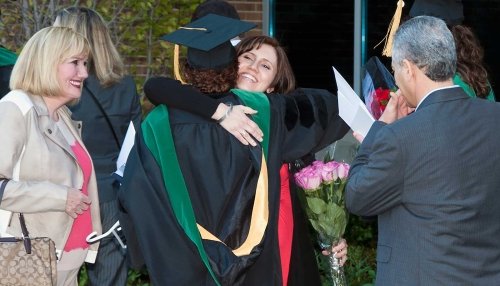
x=221, y=175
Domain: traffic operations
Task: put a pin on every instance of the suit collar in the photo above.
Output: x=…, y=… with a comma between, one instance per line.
x=442, y=95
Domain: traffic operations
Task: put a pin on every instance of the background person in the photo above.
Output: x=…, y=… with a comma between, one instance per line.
x=471, y=74
x=108, y=104
x=52, y=178
x=429, y=176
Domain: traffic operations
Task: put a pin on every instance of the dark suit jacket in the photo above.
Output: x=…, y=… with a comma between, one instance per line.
x=433, y=180
x=121, y=104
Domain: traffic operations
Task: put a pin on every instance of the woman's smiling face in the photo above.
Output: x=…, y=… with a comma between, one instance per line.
x=257, y=69
x=71, y=74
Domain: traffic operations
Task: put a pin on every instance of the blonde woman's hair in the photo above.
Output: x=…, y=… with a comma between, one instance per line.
x=105, y=63
x=36, y=69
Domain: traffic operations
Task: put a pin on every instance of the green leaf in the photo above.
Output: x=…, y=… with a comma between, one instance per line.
x=315, y=225
x=327, y=227
x=334, y=211
x=317, y=206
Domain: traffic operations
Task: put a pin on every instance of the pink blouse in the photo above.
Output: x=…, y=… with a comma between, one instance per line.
x=82, y=225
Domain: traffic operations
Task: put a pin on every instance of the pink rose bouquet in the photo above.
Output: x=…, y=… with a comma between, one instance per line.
x=323, y=184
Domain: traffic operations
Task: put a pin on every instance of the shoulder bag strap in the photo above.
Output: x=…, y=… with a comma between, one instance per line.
x=105, y=115
x=5, y=216
x=26, y=235
x=24, y=229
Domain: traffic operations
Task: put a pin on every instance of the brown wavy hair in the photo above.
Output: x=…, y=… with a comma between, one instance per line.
x=284, y=81
x=212, y=81
x=470, y=60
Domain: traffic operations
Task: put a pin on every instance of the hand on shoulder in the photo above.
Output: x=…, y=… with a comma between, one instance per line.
x=235, y=120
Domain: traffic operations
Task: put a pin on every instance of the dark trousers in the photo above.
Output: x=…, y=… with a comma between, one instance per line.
x=110, y=267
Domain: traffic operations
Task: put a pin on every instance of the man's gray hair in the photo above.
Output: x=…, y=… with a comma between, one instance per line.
x=427, y=42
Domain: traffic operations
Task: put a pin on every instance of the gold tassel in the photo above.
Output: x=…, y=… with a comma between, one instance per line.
x=177, y=74
x=393, y=26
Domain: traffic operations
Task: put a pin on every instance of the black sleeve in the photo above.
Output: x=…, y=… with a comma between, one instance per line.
x=312, y=122
x=163, y=90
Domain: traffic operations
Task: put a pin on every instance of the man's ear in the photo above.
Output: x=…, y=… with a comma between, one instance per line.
x=269, y=90
x=408, y=68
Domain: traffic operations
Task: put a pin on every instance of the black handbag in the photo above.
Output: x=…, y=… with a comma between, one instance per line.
x=25, y=260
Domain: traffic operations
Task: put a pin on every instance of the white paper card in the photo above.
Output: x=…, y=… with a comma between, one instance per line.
x=127, y=145
x=351, y=108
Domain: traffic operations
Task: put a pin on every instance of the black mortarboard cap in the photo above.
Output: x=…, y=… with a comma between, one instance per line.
x=450, y=11
x=208, y=40
x=217, y=7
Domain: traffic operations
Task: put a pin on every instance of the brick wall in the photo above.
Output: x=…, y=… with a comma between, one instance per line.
x=250, y=10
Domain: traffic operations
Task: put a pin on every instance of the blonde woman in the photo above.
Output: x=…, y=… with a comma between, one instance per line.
x=52, y=179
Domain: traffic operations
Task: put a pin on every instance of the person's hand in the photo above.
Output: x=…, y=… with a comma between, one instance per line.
x=403, y=108
x=396, y=108
x=340, y=251
x=76, y=203
x=238, y=123
x=358, y=136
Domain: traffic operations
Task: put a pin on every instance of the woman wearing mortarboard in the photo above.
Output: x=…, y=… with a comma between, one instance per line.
x=212, y=184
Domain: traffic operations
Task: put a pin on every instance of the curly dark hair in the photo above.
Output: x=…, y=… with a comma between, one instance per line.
x=212, y=81
x=470, y=60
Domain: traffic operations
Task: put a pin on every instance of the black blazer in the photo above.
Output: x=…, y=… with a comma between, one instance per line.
x=121, y=103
